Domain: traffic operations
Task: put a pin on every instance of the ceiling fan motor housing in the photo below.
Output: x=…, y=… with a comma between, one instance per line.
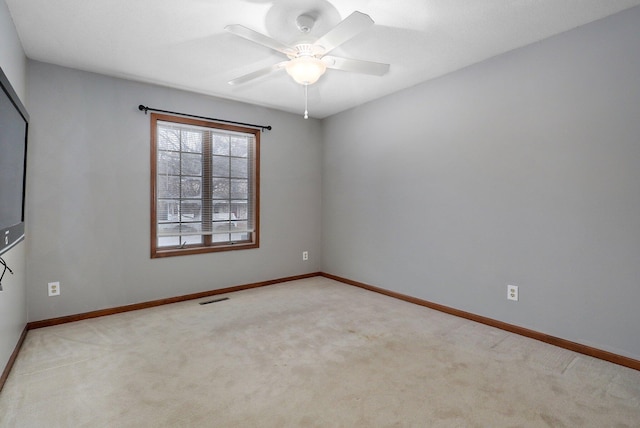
x=306, y=49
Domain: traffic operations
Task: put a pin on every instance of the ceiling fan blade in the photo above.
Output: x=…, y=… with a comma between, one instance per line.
x=351, y=26
x=261, y=39
x=258, y=73
x=356, y=65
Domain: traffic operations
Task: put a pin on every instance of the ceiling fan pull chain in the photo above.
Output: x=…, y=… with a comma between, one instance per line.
x=306, y=98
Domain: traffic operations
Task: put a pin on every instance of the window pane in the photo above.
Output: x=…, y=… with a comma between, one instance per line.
x=191, y=141
x=220, y=145
x=239, y=146
x=191, y=187
x=237, y=237
x=192, y=240
x=168, y=138
x=191, y=164
x=239, y=168
x=220, y=207
x=168, y=186
x=220, y=188
x=168, y=162
x=167, y=210
x=239, y=189
x=191, y=210
x=179, y=229
x=179, y=234
x=240, y=210
x=219, y=216
x=220, y=166
x=169, y=229
x=223, y=226
x=220, y=238
x=190, y=229
x=168, y=241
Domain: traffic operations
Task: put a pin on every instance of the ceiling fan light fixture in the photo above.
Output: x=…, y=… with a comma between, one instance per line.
x=306, y=70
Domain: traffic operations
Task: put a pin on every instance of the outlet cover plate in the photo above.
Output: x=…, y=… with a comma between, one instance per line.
x=512, y=292
x=54, y=288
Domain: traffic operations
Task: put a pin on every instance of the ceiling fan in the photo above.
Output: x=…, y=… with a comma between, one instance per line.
x=308, y=61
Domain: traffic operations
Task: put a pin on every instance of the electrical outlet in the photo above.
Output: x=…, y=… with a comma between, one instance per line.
x=512, y=292
x=305, y=255
x=54, y=288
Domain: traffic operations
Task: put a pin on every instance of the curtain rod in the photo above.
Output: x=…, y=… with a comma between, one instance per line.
x=146, y=109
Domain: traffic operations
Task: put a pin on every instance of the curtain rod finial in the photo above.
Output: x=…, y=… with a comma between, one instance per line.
x=143, y=108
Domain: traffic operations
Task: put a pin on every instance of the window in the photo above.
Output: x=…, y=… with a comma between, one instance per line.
x=204, y=186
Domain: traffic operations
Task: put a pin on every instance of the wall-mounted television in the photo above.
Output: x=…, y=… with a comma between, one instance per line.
x=14, y=124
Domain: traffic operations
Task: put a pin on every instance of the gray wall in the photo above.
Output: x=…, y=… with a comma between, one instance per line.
x=13, y=308
x=519, y=170
x=523, y=169
x=88, y=196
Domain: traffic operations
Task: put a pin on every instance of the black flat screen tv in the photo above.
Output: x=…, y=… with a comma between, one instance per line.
x=14, y=125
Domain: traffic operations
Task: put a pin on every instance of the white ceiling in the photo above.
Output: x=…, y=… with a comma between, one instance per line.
x=183, y=44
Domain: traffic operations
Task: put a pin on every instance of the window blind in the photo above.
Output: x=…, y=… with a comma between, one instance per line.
x=205, y=185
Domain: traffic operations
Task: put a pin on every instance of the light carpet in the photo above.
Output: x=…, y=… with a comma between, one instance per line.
x=308, y=353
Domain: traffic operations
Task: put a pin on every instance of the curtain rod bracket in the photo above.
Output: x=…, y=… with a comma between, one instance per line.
x=146, y=109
